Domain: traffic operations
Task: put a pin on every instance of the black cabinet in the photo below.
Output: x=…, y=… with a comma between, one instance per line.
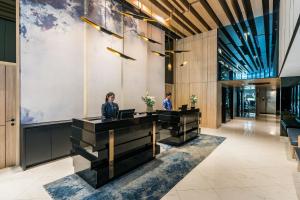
x=43, y=142
x=7, y=41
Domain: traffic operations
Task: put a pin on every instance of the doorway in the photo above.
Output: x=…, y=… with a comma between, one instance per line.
x=246, y=102
x=8, y=114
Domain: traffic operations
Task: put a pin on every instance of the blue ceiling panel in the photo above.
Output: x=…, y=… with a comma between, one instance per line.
x=254, y=58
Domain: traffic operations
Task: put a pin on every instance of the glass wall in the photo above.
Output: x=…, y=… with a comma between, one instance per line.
x=246, y=102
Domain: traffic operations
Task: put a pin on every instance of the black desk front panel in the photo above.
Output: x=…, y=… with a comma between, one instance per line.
x=132, y=146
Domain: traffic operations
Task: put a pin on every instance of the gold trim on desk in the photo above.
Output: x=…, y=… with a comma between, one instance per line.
x=111, y=153
x=184, y=128
x=154, y=138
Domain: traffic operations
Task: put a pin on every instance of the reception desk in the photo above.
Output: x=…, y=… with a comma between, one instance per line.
x=106, y=149
x=182, y=125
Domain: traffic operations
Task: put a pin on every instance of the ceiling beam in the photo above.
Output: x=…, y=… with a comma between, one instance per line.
x=229, y=15
x=164, y=10
x=178, y=5
x=190, y=7
x=249, y=13
x=180, y=15
x=211, y=12
x=252, y=44
x=213, y=15
x=275, y=28
x=228, y=50
x=265, y=4
x=177, y=31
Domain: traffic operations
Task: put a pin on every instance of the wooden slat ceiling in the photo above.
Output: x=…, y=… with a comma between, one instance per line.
x=8, y=9
x=189, y=17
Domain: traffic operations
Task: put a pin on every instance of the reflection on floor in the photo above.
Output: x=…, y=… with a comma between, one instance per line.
x=252, y=163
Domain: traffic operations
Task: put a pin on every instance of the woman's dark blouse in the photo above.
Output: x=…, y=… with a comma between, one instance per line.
x=109, y=110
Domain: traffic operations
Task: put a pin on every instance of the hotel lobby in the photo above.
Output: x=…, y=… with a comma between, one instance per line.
x=149, y=99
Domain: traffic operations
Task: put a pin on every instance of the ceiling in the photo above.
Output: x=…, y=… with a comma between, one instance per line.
x=189, y=17
x=266, y=82
x=8, y=9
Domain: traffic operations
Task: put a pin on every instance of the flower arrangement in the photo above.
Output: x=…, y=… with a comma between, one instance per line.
x=149, y=100
x=193, y=100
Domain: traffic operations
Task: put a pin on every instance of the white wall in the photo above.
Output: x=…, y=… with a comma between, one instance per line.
x=66, y=69
x=289, y=14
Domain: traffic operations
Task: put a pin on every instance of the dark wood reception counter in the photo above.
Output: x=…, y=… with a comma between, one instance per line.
x=107, y=148
x=183, y=125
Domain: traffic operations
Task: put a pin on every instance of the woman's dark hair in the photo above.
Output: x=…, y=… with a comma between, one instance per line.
x=168, y=94
x=109, y=95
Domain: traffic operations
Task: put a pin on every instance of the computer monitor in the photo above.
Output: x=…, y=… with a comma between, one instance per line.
x=125, y=114
x=184, y=107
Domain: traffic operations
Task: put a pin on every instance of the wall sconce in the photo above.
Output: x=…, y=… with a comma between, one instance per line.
x=159, y=54
x=184, y=63
x=148, y=39
x=117, y=53
x=100, y=28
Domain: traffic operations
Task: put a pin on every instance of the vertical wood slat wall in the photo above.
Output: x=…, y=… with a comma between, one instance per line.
x=8, y=111
x=199, y=76
x=2, y=116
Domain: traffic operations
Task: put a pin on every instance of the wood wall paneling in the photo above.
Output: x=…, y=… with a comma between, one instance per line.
x=201, y=79
x=2, y=147
x=212, y=105
x=11, y=133
x=2, y=95
x=212, y=58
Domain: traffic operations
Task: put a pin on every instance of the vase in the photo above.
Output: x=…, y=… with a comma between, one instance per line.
x=193, y=105
x=149, y=109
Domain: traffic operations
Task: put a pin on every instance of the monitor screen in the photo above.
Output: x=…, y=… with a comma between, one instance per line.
x=124, y=114
x=184, y=107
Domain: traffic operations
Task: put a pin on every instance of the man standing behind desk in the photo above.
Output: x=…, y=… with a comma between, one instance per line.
x=167, y=104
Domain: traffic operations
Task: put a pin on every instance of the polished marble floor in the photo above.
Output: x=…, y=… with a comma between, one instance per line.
x=253, y=163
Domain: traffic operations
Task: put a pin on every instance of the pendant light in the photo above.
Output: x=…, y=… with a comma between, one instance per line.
x=100, y=28
x=185, y=62
x=117, y=53
x=148, y=39
x=114, y=51
x=136, y=16
x=169, y=64
x=175, y=51
x=153, y=51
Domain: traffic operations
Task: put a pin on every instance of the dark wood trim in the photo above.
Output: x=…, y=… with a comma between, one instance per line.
x=210, y=11
x=195, y=13
x=266, y=13
x=178, y=21
x=253, y=45
x=229, y=15
x=180, y=15
x=178, y=5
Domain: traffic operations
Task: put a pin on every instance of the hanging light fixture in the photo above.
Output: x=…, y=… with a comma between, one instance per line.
x=114, y=51
x=153, y=41
x=148, y=39
x=159, y=54
x=136, y=16
x=169, y=45
x=100, y=28
x=117, y=53
x=185, y=62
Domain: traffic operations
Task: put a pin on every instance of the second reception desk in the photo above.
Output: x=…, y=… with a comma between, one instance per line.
x=105, y=149
x=183, y=125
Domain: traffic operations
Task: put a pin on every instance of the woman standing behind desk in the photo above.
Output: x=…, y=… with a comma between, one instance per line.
x=109, y=108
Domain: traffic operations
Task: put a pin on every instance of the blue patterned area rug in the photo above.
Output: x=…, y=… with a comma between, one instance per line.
x=150, y=181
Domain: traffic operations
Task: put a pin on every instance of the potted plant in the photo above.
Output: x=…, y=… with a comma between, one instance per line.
x=193, y=100
x=149, y=101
